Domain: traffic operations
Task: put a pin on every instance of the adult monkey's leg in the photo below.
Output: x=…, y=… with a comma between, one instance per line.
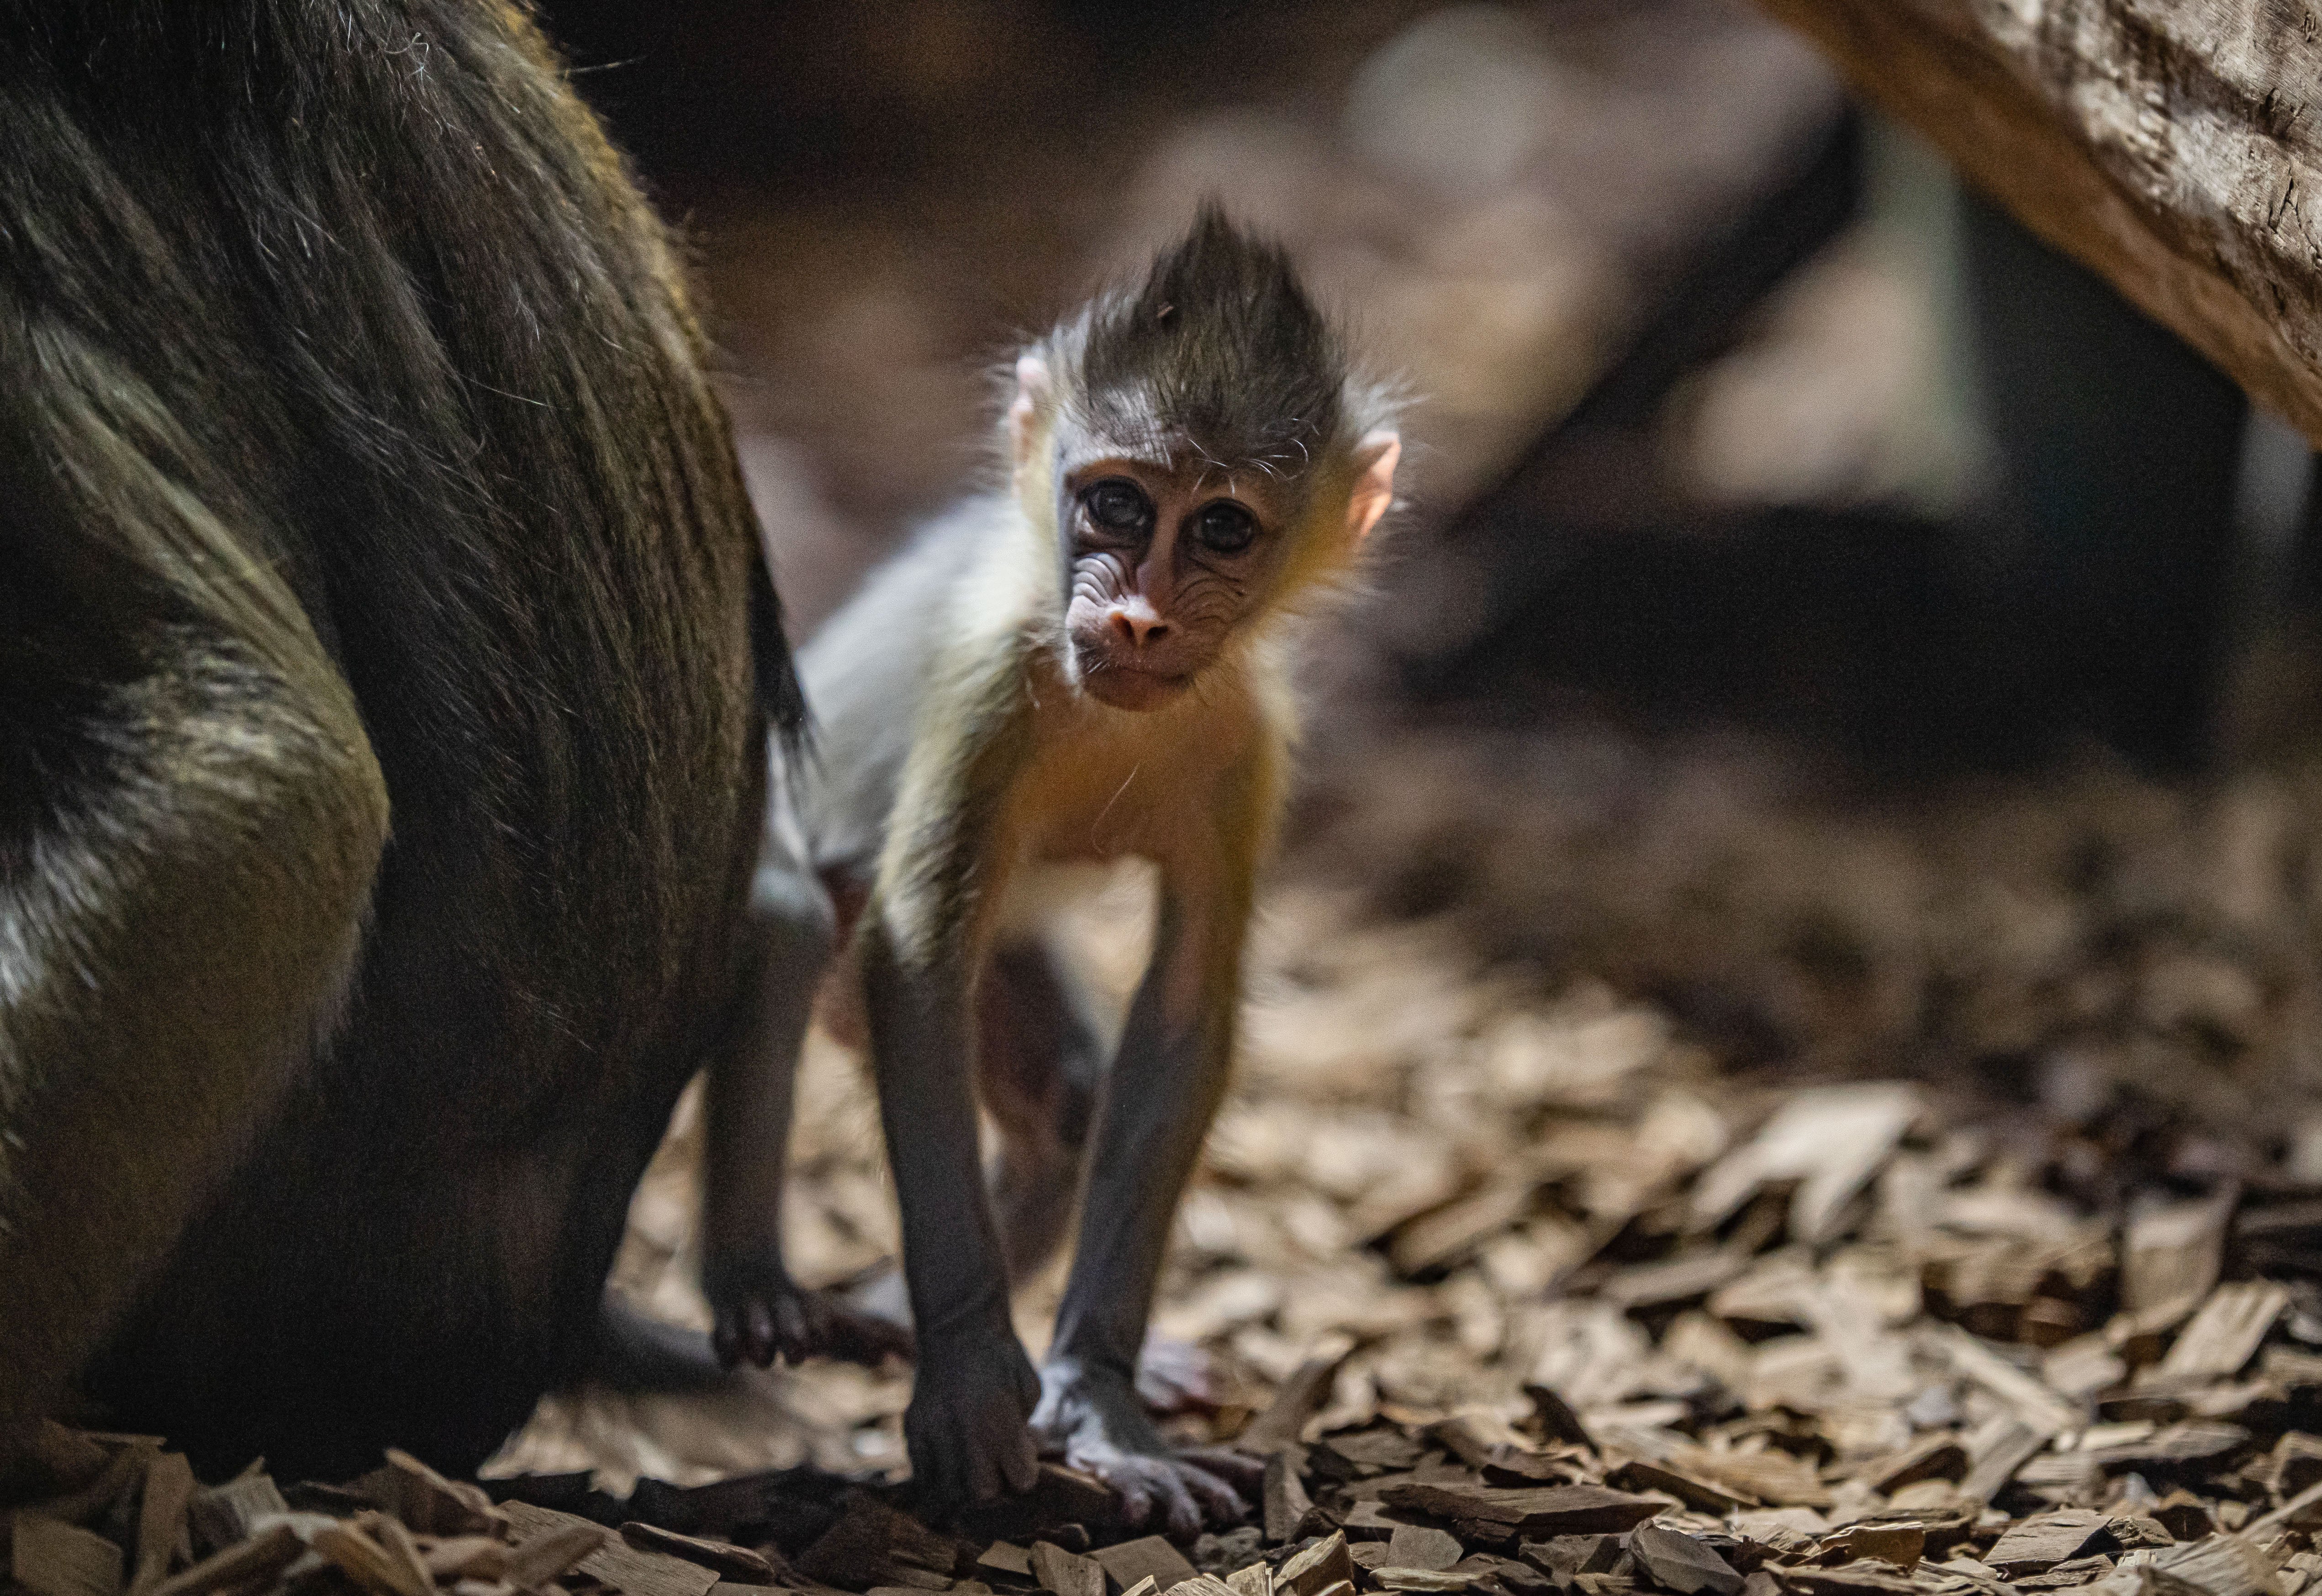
x=191, y=820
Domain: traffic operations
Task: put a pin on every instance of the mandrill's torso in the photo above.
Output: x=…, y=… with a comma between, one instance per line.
x=377, y=255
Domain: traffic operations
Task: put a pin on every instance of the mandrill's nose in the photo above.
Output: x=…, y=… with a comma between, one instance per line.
x=1137, y=624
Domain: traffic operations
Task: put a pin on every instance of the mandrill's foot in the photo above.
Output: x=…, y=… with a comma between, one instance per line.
x=763, y=1314
x=1095, y=1417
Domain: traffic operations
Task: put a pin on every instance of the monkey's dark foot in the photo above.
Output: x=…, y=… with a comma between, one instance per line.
x=965, y=1426
x=763, y=1314
x=1096, y=1418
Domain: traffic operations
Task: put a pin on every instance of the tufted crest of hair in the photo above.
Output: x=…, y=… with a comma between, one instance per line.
x=1223, y=344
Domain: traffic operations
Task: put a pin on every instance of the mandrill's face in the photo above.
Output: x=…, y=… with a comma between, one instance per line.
x=1165, y=555
x=1164, y=552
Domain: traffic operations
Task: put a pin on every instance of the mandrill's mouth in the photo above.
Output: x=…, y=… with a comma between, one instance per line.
x=1130, y=687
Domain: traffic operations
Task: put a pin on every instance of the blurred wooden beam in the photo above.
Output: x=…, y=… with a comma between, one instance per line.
x=2174, y=146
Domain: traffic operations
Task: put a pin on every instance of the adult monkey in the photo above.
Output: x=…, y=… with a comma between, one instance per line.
x=385, y=663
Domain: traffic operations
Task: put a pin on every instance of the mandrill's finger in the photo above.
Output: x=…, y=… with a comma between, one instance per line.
x=1245, y=1473
x=794, y=1332
x=1184, y=1518
x=758, y=1339
x=724, y=1342
x=1020, y=1461
x=982, y=1476
x=1136, y=1501
x=1220, y=1504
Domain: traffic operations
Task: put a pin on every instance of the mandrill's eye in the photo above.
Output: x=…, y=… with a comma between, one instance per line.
x=1224, y=528
x=1119, y=505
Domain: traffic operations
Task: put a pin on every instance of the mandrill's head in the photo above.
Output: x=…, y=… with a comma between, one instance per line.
x=1202, y=455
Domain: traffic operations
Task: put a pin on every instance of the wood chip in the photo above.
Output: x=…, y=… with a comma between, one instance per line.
x=648, y=1574
x=1566, y=1557
x=1681, y=1279
x=51, y=1557
x=2034, y=1403
x=2224, y=1334
x=549, y=1544
x=1201, y=1585
x=1379, y=1449
x=1454, y=1229
x=2193, y=1441
x=1681, y=1563
x=467, y=1556
x=252, y=1562
x=1936, y=1455
x=1832, y=1140
x=2036, y=1545
x=1300, y=1398
x=1496, y=1575
x=1637, y=1474
x=1900, y=1545
x=1433, y=1581
x=1068, y=1573
x=225, y=1514
x=2224, y=1565
x=873, y=1544
x=2171, y=1253
x=399, y=1545
x=1153, y=1555
x=162, y=1527
x=2069, y=1575
x=371, y=1565
x=1995, y=1462
x=1005, y=1557
x=1852, y=1579
x=2130, y=1532
x=1283, y=1499
x=1317, y=1568
x=2083, y=1366
x=1532, y=1514
x=427, y=1502
x=1555, y=1418
x=733, y=1564
x=1417, y=1545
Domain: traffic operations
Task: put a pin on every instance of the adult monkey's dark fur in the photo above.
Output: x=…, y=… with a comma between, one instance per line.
x=381, y=749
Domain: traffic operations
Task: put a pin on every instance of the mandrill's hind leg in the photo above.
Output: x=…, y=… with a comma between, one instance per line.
x=761, y=1312
x=191, y=818
x=1038, y=1065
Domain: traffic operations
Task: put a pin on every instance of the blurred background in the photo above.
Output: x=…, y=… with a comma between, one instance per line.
x=1829, y=635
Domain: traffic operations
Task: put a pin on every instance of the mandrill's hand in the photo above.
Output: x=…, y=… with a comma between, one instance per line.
x=763, y=1314
x=965, y=1424
x=1094, y=1414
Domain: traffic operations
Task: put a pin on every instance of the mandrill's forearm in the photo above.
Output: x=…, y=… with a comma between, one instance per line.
x=919, y=1042
x=1170, y=1075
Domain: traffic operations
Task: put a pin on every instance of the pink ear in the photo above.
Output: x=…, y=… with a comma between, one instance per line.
x=1374, y=489
x=1032, y=388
